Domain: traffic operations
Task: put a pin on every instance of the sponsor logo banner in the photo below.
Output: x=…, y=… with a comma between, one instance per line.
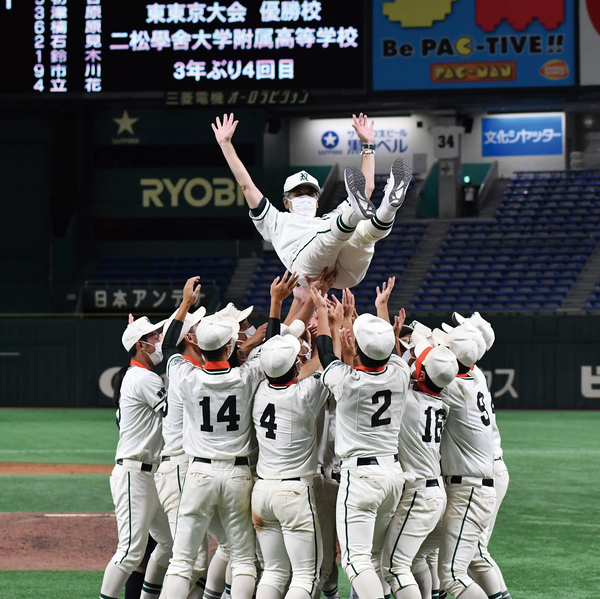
x=473, y=43
x=522, y=135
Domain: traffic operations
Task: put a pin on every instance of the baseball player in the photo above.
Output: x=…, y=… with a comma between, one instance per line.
x=370, y=403
x=468, y=468
x=283, y=504
x=142, y=399
x=217, y=402
x=345, y=238
x=501, y=477
x=423, y=498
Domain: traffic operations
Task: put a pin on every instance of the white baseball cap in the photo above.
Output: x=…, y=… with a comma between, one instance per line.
x=485, y=328
x=463, y=346
x=216, y=331
x=439, y=363
x=231, y=311
x=418, y=326
x=301, y=178
x=468, y=326
x=374, y=336
x=279, y=354
x=188, y=323
x=137, y=329
x=295, y=328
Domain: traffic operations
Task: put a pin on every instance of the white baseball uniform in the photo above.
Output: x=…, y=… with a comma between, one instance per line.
x=468, y=467
x=218, y=406
x=171, y=473
x=423, y=499
x=283, y=504
x=307, y=244
x=326, y=484
x=370, y=404
x=137, y=507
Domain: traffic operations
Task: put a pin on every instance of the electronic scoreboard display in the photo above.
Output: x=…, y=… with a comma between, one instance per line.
x=92, y=47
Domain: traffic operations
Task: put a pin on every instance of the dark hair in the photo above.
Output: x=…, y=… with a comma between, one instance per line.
x=181, y=346
x=118, y=378
x=462, y=368
x=214, y=355
x=369, y=362
x=430, y=384
x=284, y=378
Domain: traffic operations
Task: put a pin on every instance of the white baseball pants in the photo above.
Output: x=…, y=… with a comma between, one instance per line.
x=418, y=513
x=326, y=491
x=367, y=499
x=349, y=253
x=287, y=527
x=468, y=511
x=138, y=511
x=227, y=487
x=169, y=479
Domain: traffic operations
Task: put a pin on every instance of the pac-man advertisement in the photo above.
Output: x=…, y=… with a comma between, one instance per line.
x=465, y=44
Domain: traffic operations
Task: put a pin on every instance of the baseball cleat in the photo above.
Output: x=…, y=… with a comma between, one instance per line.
x=397, y=184
x=355, y=186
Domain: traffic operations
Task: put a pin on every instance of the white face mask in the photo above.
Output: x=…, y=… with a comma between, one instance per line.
x=157, y=356
x=304, y=205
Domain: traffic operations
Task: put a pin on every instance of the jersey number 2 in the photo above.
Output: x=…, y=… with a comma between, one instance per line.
x=376, y=419
x=227, y=413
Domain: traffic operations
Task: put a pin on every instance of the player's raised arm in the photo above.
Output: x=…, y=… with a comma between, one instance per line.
x=366, y=134
x=280, y=289
x=223, y=133
x=383, y=296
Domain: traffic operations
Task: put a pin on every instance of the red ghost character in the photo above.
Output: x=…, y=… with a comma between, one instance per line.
x=521, y=13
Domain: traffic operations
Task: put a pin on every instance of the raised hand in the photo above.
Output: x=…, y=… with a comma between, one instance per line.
x=283, y=286
x=399, y=321
x=190, y=295
x=348, y=303
x=224, y=131
x=335, y=313
x=364, y=131
x=319, y=300
x=325, y=281
x=383, y=295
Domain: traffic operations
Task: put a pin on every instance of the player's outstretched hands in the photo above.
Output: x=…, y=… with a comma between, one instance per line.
x=224, y=131
x=130, y=319
x=383, y=295
x=191, y=291
x=365, y=132
x=348, y=346
x=319, y=299
x=399, y=321
x=335, y=313
x=281, y=287
x=325, y=281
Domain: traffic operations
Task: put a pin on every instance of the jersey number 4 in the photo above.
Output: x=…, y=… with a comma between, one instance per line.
x=227, y=413
x=267, y=420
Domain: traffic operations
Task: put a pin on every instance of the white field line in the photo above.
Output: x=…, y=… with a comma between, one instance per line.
x=91, y=515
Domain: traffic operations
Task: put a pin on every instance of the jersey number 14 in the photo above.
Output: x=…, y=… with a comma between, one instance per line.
x=227, y=413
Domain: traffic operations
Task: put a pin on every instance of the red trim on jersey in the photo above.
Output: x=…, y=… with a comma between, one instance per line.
x=288, y=384
x=426, y=390
x=472, y=367
x=420, y=360
x=194, y=362
x=462, y=376
x=371, y=368
x=221, y=365
x=138, y=364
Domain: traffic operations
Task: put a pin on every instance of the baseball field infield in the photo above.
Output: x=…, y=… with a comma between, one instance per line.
x=57, y=532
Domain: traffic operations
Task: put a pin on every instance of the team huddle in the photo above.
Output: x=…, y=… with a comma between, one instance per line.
x=319, y=428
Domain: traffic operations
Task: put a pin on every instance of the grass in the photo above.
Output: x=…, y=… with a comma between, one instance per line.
x=55, y=493
x=58, y=436
x=547, y=536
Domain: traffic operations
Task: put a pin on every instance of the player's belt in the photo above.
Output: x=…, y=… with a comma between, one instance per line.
x=498, y=459
x=238, y=461
x=432, y=482
x=372, y=461
x=166, y=458
x=457, y=480
x=283, y=480
x=334, y=475
x=143, y=467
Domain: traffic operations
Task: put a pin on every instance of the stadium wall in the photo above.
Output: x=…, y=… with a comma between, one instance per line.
x=536, y=362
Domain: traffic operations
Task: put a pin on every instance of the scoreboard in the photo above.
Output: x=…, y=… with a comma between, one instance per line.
x=100, y=47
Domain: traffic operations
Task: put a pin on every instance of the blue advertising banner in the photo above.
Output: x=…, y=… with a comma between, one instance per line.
x=462, y=44
x=522, y=136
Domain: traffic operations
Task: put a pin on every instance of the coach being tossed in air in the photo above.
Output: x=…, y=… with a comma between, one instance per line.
x=343, y=239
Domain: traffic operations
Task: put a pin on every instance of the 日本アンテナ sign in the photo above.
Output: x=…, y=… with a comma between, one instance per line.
x=458, y=44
